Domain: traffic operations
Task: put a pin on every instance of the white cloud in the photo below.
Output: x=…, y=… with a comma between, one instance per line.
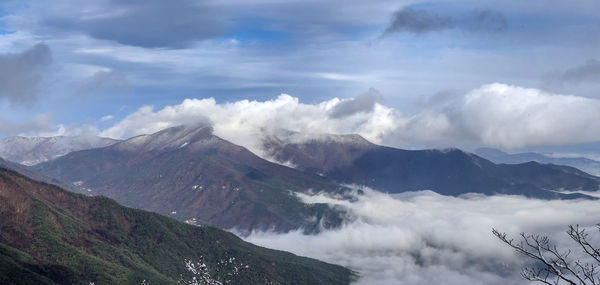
x=244, y=122
x=106, y=118
x=496, y=115
x=426, y=238
x=506, y=116
x=511, y=116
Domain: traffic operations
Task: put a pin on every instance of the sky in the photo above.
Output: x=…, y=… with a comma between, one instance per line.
x=414, y=74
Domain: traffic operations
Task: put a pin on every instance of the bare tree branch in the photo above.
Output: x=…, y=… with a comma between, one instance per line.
x=554, y=265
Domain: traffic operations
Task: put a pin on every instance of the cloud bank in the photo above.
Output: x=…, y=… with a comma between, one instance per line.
x=507, y=117
x=245, y=122
x=425, y=238
x=496, y=115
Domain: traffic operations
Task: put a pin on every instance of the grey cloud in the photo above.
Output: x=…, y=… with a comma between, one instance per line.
x=362, y=103
x=489, y=21
x=104, y=80
x=418, y=22
x=151, y=24
x=421, y=21
x=22, y=73
x=588, y=72
x=582, y=79
x=439, y=99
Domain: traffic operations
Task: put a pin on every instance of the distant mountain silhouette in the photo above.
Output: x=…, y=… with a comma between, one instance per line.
x=588, y=165
x=352, y=159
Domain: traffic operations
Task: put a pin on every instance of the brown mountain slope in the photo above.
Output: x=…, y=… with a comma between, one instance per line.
x=51, y=236
x=190, y=174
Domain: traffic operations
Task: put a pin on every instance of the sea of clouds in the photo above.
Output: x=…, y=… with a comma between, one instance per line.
x=426, y=238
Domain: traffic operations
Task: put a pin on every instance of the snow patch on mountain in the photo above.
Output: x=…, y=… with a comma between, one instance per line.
x=34, y=150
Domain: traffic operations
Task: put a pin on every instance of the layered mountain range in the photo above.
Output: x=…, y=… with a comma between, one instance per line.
x=192, y=175
x=51, y=236
x=497, y=156
x=353, y=160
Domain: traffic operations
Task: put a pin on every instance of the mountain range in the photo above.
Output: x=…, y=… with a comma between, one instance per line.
x=351, y=159
x=51, y=236
x=190, y=174
x=497, y=156
x=33, y=150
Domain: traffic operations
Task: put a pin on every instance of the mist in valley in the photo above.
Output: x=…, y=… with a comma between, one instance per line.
x=426, y=238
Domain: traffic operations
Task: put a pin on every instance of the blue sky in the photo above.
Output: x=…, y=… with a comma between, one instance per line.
x=81, y=61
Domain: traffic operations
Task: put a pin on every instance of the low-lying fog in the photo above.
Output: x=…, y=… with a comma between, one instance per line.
x=425, y=238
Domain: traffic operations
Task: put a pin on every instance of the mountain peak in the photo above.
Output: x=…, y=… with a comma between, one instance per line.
x=170, y=138
x=189, y=173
